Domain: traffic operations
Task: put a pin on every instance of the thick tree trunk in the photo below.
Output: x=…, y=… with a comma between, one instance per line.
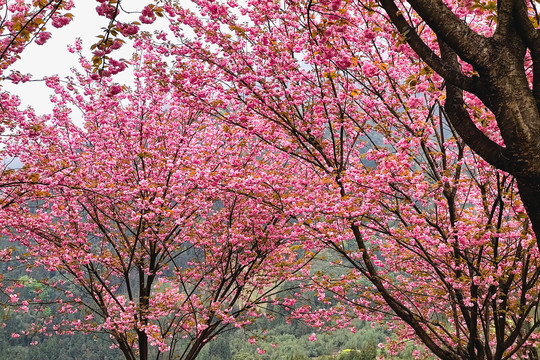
x=143, y=345
x=518, y=119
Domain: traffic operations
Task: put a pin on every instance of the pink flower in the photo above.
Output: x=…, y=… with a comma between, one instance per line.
x=147, y=16
x=335, y=5
x=369, y=34
x=127, y=29
x=117, y=44
x=15, y=78
x=43, y=37
x=344, y=63
x=106, y=10
x=369, y=69
x=313, y=337
x=115, y=89
x=60, y=21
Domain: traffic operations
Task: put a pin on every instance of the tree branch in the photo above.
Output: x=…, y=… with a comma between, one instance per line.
x=460, y=119
x=424, y=51
x=467, y=44
x=531, y=37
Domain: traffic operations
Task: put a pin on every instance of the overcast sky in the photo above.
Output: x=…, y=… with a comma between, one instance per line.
x=53, y=57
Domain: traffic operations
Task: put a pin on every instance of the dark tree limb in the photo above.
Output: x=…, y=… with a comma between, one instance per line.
x=424, y=51
x=467, y=44
x=531, y=37
x=460, y=119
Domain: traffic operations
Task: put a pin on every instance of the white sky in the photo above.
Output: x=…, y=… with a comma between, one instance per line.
x=54, y=58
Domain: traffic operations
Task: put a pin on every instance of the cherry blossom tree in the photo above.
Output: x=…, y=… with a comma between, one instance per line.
x=149, y=213
x=298, y=125
x=494, y=57
x=428, y=233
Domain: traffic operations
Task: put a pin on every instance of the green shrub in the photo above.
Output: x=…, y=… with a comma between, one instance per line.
x=349, y=354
